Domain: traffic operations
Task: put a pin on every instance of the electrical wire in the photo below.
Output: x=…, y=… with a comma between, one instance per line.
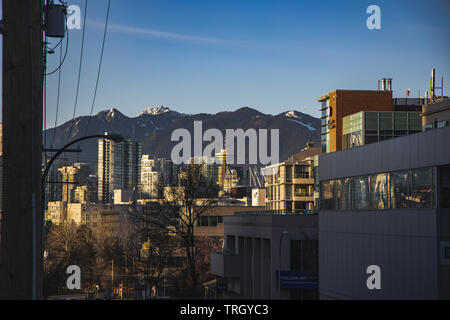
x=79, y=69
x=57, y=98
x=65, y=54
x=99, y=67
x=45, y=98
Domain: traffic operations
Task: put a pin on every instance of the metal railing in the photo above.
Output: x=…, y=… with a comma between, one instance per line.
x=274, y=212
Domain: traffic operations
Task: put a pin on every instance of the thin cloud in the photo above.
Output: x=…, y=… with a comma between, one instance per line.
x=157, y=33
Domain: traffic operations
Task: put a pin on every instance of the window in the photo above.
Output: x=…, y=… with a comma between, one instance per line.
x=207, y=221
x=288, y=173
x=371, y=121
x=422, y=193
x=301, y=172
x=301, y=191
x=414, y=188
x=288, y=191
x=360, y=193
x=325, y=196
x=444, y=190
x=378, y=191
x=400, y=189
x=343, y=189
x=443, y=124
x=414, y=122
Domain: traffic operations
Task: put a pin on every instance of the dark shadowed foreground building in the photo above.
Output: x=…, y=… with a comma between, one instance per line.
x=257, y=246
x=387, y=204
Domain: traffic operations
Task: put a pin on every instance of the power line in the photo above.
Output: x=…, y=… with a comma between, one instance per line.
x=99, y=66
x=65, y=54
x=57, y=99
x=45, y=93
x=79, y=69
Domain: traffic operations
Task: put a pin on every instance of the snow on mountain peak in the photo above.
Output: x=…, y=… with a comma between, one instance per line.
x=292, y=116
x=155, y=110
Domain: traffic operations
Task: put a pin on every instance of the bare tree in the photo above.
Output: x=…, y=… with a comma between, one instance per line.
x=181, y=208
x=67, y=244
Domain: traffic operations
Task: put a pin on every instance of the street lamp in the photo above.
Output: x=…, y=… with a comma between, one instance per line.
x=284, y=233
x=113, y=137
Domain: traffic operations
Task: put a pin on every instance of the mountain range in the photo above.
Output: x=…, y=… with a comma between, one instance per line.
x=154, y=126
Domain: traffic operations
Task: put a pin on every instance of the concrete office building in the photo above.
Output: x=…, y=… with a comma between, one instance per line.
x=290, y=184
x=257, y=246
x=119, y=167
x=387, y=204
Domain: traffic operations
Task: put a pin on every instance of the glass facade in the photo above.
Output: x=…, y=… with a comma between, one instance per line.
x=371, y=126
x=440, y=124
x=352, y=130
x=325, y=116
x=415, y=188
x=444, y=186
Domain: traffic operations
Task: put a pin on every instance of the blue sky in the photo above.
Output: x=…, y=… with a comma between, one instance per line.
x=209, y=56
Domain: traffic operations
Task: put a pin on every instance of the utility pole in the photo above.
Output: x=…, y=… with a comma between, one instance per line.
x=21, y=259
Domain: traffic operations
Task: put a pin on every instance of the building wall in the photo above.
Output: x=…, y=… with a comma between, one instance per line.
x=401, y=242
x=290, y=184
x=119, y=167
x=258, y=197
x=419, y=150
x=219, y=211
x=347, y=102
x=256, y=250
x=433, y=114
x=404, y=242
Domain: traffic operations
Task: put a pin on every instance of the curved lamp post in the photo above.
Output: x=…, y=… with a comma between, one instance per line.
x=114, y=137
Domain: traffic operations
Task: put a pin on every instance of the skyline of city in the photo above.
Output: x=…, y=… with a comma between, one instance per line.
x=328, y=180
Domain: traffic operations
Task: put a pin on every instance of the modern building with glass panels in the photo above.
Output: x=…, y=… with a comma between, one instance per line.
x=386, y=204
x=338, y=104
x=373, y=126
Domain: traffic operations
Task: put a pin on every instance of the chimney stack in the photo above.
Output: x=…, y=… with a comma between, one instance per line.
x=389, y=84
x=383, y=84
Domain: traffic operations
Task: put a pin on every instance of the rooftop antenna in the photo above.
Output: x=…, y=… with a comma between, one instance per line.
x=433, y=85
